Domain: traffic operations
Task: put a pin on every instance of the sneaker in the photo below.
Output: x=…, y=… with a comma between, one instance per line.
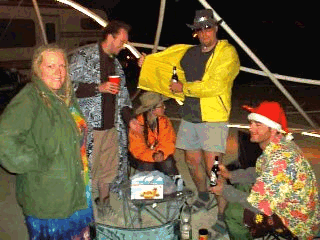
x=109, y=211
x=104, y=209
x=220, y=226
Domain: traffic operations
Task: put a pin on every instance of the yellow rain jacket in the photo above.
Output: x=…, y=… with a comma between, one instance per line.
x=214, y=90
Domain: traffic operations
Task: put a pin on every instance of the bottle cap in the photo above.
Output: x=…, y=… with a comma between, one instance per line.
x=203, y=231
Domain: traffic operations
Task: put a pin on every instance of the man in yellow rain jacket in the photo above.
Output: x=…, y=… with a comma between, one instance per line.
x=206, y=74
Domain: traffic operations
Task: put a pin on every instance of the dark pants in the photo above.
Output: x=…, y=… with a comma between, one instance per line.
x=167, y=167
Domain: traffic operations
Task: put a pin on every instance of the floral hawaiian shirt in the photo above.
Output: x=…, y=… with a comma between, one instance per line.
x=287, y=187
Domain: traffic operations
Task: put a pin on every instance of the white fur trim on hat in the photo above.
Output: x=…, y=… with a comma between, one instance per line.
x=267, y=121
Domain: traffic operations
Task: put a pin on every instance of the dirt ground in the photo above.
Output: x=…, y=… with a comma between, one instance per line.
x=11, y=220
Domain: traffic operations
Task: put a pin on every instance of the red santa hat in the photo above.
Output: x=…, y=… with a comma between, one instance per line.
x=270, y=114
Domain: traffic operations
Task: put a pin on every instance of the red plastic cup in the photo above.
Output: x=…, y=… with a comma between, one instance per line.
x=114, y=79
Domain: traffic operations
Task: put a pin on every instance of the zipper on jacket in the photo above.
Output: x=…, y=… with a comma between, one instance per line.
x=224, y=106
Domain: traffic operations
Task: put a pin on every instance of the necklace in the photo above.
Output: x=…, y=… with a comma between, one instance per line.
x=207, y=49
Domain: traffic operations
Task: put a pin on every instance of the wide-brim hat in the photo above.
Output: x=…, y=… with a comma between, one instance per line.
x=204, y=19
x=270, y=114
x=150, y=100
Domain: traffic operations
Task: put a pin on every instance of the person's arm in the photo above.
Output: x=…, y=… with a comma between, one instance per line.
x=127, y=114
x=138, y=147
x=234, y=195
x=248, y=175
x=166, y=138
x=78, y=69
x=243, y=176
x=19, y=153
x=130, y=120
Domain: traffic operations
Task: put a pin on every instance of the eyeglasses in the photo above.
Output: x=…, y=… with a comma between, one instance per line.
x=205, y=29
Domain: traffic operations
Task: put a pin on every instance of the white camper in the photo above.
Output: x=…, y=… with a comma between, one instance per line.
x=20, y=32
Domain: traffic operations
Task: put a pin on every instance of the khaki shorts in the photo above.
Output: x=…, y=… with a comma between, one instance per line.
x=208, y=136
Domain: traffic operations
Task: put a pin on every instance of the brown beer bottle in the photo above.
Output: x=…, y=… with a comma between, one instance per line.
x=174, y=77
x=214, y=173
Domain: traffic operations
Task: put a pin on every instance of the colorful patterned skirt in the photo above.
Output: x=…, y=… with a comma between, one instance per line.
x=74, y=227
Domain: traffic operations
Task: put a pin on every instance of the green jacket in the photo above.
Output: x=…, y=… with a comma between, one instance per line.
x=214, y=89
x=40, y=142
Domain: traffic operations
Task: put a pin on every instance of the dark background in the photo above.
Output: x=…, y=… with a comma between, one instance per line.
x=282, y=34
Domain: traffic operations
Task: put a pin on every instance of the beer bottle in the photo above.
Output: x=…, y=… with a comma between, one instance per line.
x=174, y=77
x=186, y=227
x=214, y=173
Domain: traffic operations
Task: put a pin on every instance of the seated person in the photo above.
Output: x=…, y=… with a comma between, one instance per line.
x=153, y=147
x=282, y=184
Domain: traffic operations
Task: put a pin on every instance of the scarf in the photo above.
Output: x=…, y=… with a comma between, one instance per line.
x=83, y=129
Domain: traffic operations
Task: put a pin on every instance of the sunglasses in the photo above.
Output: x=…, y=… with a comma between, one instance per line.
x=203, y=29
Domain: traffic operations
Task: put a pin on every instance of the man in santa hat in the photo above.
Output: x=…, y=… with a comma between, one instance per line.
x=282, y=184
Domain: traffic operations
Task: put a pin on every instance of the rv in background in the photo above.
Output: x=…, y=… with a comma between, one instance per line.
x=20, y=32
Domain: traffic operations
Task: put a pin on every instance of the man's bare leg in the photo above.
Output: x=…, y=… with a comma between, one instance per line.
x=193, y=160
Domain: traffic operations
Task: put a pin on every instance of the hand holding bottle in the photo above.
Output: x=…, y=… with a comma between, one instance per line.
x=176, y=86
x=224, y=172
x=218, y=189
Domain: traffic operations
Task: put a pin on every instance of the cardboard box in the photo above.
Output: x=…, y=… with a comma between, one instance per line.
x=149, y=187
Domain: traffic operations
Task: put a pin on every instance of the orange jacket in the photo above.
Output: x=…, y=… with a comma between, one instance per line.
x=166, y=138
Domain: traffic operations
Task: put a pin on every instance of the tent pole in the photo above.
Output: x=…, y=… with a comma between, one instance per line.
x=159, y=28
x=36, y=8
x=261, y=65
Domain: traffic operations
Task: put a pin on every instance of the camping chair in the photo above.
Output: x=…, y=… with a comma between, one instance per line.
x=162, y=210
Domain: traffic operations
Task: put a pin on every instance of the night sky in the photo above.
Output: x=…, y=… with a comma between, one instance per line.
x=283, y=37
